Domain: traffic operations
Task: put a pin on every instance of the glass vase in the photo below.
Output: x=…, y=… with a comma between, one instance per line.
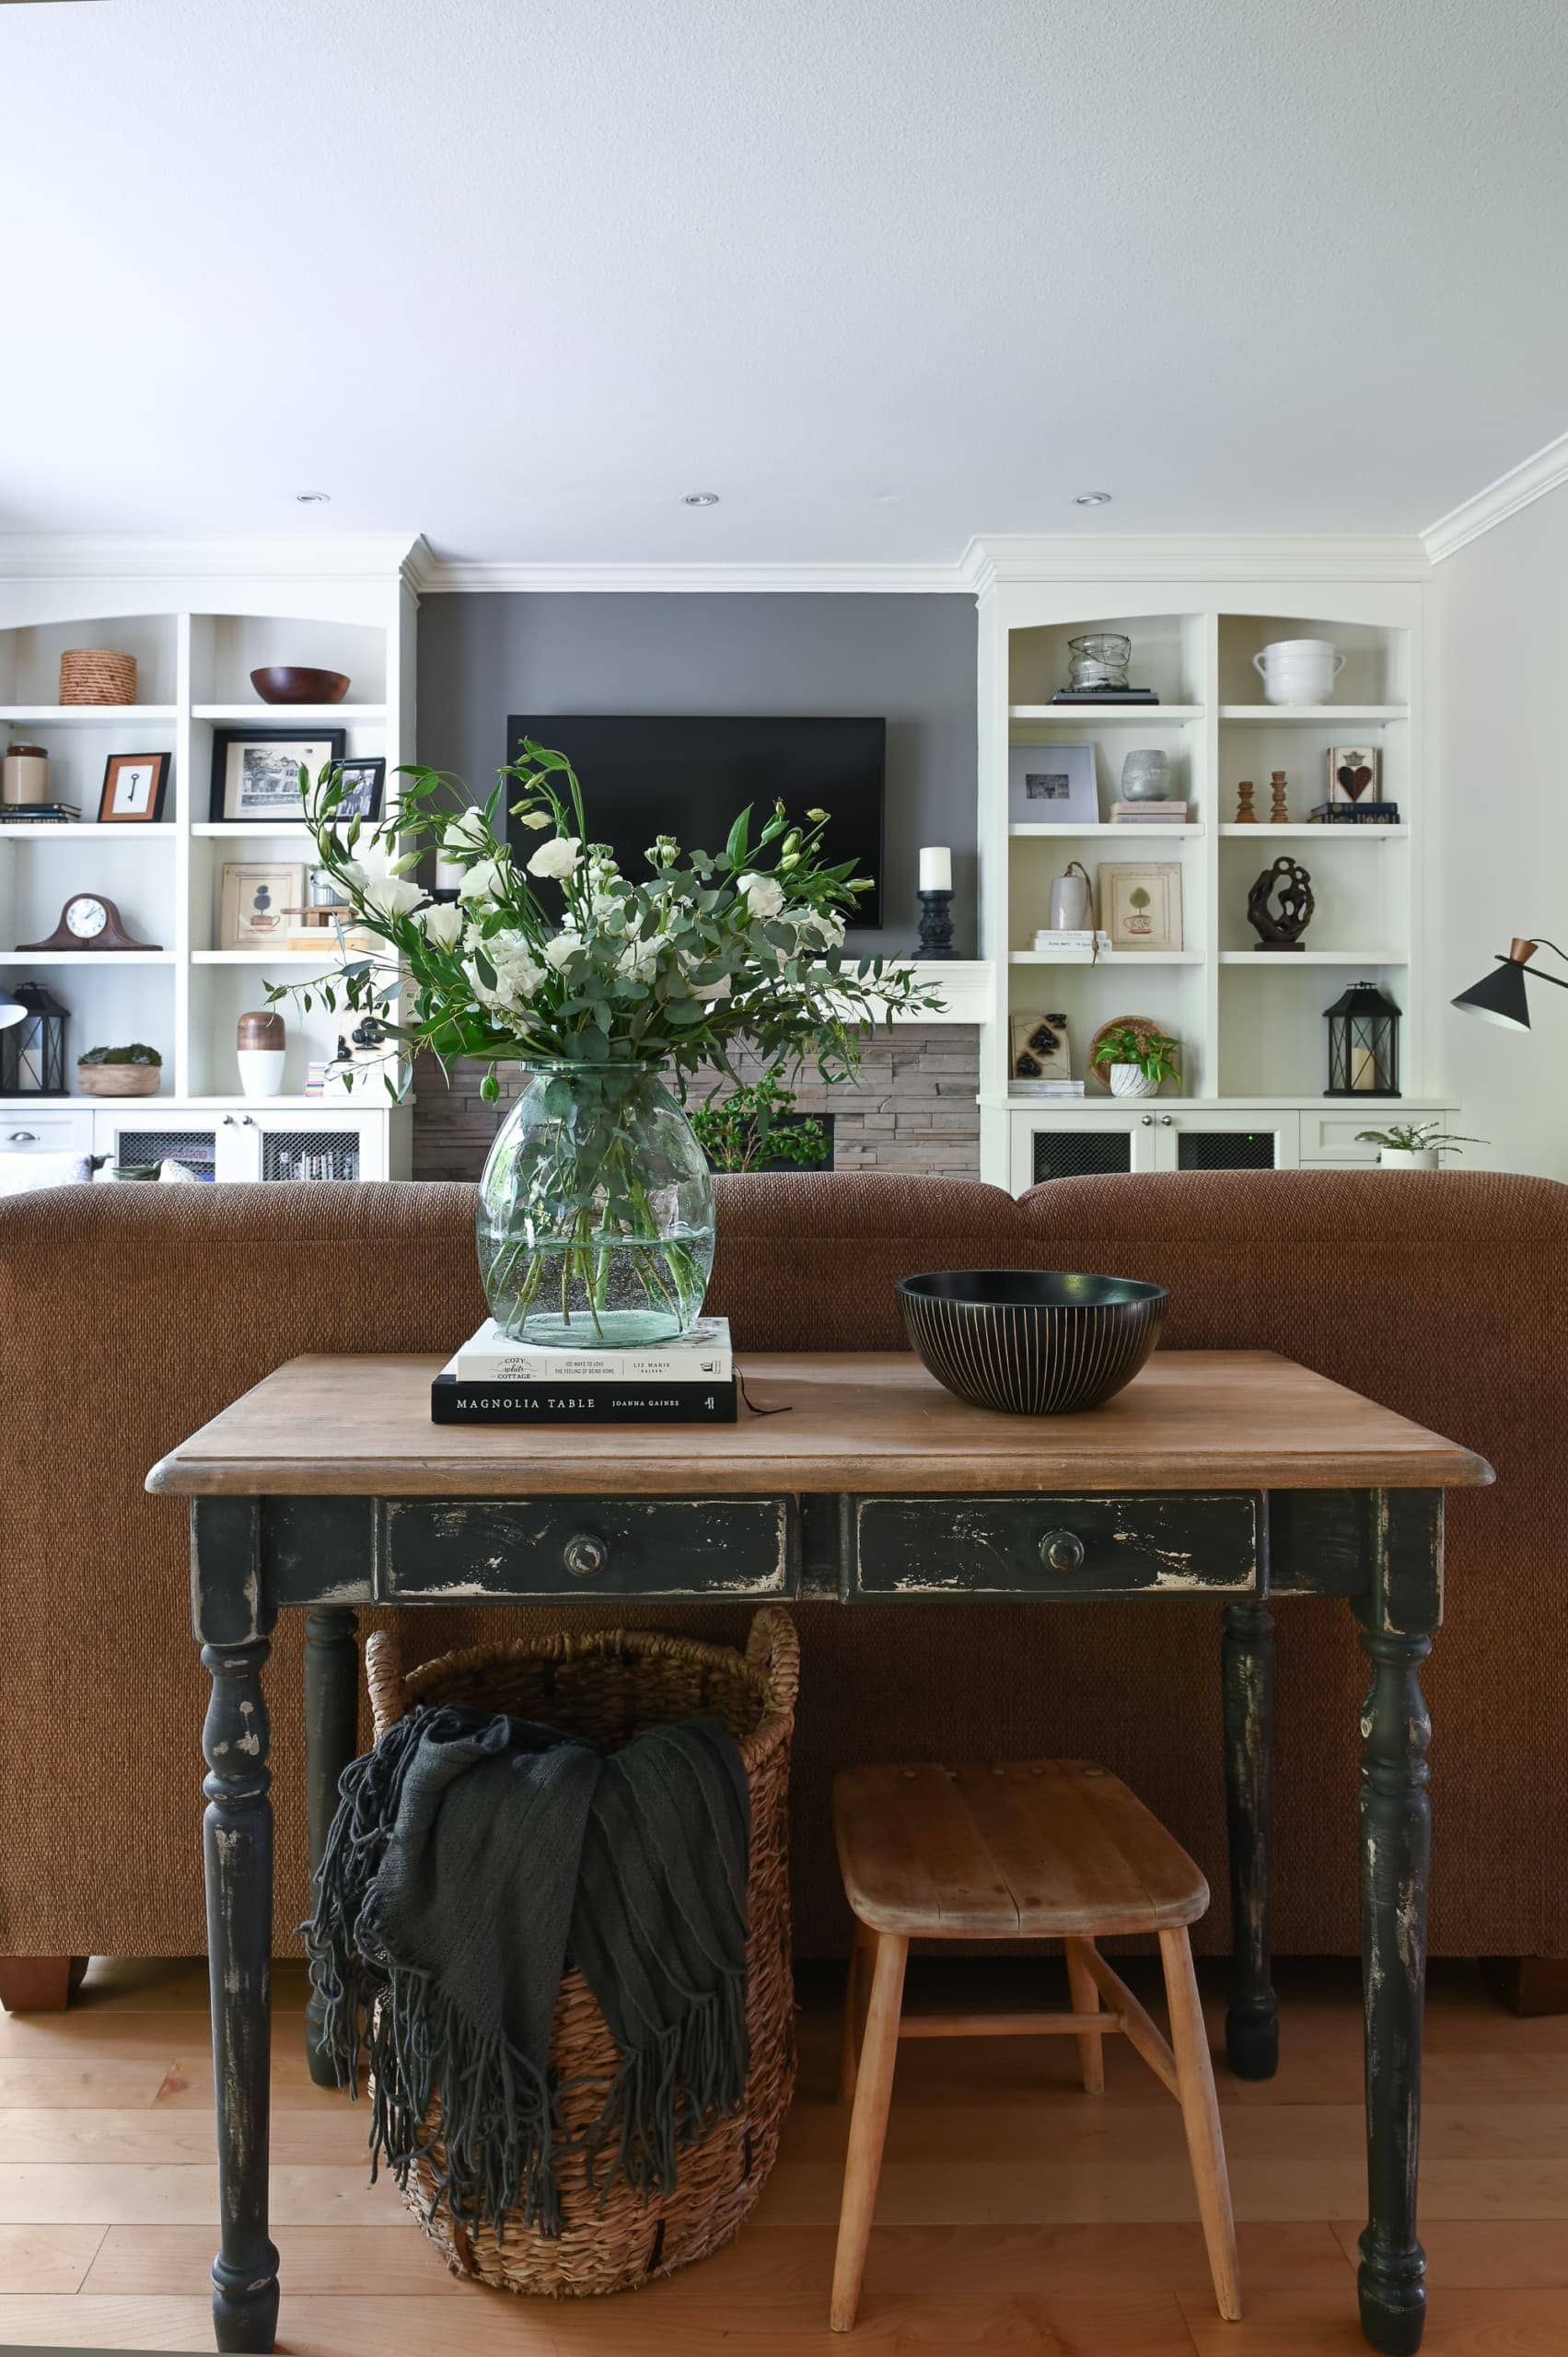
x=596, y=1212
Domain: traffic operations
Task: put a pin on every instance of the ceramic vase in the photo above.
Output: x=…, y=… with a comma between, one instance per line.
x=1131, y=1080
x=1409, y=1157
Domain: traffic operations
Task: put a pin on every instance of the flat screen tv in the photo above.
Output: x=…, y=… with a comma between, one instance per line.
x=691, y=778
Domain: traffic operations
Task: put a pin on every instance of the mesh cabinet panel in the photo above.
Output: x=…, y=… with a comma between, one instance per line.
x=310, y=1153
x=1226, y=1150
x=197, y=1149
x=1081, y=1154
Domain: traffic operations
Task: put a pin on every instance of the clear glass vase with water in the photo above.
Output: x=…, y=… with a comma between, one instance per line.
x=596, y=1212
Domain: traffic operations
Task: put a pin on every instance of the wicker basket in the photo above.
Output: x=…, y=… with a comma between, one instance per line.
x=95, y=675
x=609, y=1686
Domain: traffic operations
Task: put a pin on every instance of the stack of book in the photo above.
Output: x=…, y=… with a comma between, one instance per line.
x=1046, y=1088
x=40, y=814
x=1105, y=695
x=493, y=1381
x=1068, y=949
x=1144, y=814
x=1356, y=814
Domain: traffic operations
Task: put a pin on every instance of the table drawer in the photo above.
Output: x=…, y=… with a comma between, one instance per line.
x=1057, y=1546
x=32, y=1132
x=445, y=1552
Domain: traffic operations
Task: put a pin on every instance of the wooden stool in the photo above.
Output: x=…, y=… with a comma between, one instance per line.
x=1020, y=1849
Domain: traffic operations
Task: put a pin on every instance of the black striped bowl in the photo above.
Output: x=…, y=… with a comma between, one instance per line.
x=1031, y=1341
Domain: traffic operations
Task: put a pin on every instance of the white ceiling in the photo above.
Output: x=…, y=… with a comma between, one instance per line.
x=884, y=273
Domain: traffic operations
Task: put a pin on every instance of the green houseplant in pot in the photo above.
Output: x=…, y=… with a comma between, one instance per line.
x=1137, y=1059
x=596, y=1213
x=1415, y=1145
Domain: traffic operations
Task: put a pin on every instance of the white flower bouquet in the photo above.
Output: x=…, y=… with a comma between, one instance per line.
x=601, y=983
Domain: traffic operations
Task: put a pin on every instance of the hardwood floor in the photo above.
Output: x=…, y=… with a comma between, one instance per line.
x=1016, y=2214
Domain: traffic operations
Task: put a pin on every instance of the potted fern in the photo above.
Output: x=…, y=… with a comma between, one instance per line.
x=1413, y=1146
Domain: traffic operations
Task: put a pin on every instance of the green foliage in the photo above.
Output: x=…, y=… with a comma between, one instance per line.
x=1156, y=1057
x=1416, y=1137
x=556, y=957
x=138, y=1053
x=749, y=1126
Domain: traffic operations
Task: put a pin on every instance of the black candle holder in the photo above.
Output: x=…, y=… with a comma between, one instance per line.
x=936, y=924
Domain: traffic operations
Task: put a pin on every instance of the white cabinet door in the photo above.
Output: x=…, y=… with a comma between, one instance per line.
x=326, y=1144
x=151, y=1134
x=1095, y=1143
x=1243, y=1138
x=238, y=1147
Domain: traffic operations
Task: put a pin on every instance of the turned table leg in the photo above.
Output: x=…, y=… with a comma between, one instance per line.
x=1395, y=1845
x=1251, y=2025
x=331, y=1740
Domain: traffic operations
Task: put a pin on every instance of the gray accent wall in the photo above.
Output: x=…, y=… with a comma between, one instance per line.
x=909, y=660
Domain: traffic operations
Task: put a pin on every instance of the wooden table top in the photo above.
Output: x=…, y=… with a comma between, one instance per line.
x=877, y=1423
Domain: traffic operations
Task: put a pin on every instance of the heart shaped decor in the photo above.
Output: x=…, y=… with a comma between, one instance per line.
x=1355, y=782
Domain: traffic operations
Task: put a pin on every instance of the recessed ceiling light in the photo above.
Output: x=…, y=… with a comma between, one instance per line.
x=1092, y=499
x=699, y=499
x=313, y=498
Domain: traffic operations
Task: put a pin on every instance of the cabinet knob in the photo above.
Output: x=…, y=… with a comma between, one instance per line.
x=584, y=1555
x=1166, y=1121
x=1149, y=1121
x=1061, y=1551
x=247, y=1122
x=22, y=1137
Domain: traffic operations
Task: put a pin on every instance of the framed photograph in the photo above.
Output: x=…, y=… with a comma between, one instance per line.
x=1040, y=1049
x=1355, y=773
x=1051, y=785
x=1140, y=907
x=256, y=771
x=362, y=784
x=257, y=905
x=133, y=788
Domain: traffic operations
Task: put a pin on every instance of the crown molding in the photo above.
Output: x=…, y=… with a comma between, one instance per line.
x=1197, y=556
x=1530, y=481
x=133, y=556
x=452, y=577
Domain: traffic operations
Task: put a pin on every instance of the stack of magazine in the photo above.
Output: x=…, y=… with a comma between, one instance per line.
x=493, y=1381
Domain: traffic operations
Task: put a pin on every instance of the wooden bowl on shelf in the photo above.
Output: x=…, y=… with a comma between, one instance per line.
x=119, y=1080
x=294, y=683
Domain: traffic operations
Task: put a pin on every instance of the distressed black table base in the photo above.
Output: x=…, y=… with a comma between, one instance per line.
x=1381, y=1551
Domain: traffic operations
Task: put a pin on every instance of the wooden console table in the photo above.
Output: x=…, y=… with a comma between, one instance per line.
x=1232, y=1474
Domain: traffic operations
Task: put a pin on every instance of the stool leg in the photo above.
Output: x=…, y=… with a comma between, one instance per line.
x=855, y=1985
x=1200, y=2116
x=868, y=2125
x=1086, y=2000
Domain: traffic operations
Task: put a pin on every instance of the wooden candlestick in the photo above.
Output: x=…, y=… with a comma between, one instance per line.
x=1245, y=814
x=1279, y=815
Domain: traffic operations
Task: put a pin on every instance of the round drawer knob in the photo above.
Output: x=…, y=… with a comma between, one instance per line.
x=584, y=1556
x=1061, y=1551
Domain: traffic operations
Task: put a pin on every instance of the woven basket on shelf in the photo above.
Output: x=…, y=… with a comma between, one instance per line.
x=96, y=675
x=119, y=1080
x=609, y=1686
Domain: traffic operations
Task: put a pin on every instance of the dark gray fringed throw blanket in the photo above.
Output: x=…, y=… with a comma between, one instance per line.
x=471, y=1857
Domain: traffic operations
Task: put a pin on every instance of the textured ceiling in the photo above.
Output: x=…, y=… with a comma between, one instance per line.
x=884, y=273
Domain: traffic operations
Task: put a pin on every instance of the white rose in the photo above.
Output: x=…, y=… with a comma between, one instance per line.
x=558, y=858
x=763, y=895
x=392, y=896
x=517, y=974
x=563, y=946
x=483, y=880
x=639, y=959
x=468, y=834
x=442, y=925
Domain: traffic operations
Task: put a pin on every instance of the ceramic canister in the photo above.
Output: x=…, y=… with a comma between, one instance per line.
x=260, y=1051
x=1298, y=670
x=24, y=776
x=1069, y=901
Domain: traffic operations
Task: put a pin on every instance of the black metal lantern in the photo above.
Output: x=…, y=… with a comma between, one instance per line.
x=1364, y=1043
x=32, y=1048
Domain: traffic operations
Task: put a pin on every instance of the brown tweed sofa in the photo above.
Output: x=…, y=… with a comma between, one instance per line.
x=128, y=1316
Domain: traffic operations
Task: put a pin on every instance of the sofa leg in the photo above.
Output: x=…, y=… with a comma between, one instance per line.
x=39, y=1984
x=1527, y=1984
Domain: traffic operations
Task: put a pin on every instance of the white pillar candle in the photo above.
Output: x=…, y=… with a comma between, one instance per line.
x=449, y=873
x=936, y=868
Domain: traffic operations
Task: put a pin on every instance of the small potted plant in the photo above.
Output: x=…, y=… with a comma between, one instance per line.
x=1413, y=1146
x=758, y=1128
x=135, y=1071
x=1136, y=1058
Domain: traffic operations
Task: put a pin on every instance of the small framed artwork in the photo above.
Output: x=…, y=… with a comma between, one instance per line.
x=256, y=771
x=1041, y=1050
x=133, y=788
x=363, y=783
x=1140, y=907
x=257, y=905
x=1051, y=785
x=1355, y=773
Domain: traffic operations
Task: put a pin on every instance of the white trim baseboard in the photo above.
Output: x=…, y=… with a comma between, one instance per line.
x=1530, y=481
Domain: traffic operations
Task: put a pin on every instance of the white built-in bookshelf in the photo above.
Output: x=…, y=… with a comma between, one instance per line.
x=185, y=997
x=1251, y=1024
